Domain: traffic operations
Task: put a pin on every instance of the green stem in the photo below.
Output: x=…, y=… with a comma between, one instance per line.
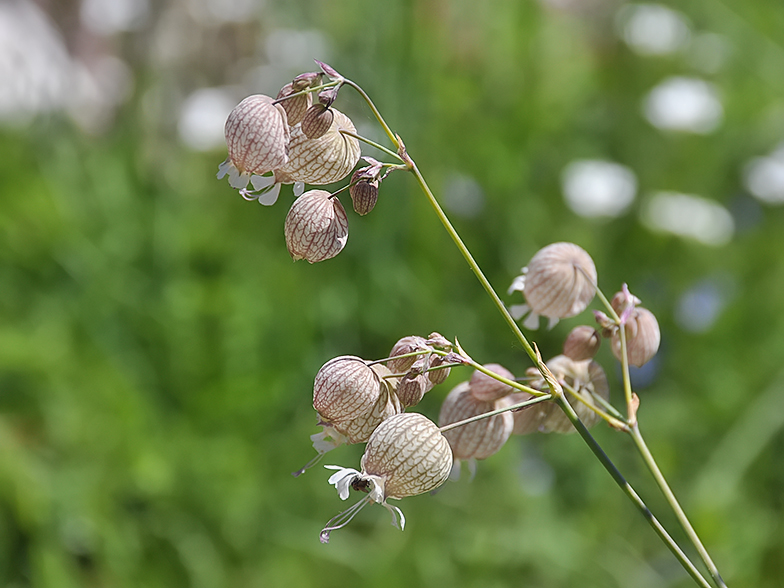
x=491, y=413
x=376, y=113
x=647, y=456
x=371, y=143
x=474, y=266
x=630, y=492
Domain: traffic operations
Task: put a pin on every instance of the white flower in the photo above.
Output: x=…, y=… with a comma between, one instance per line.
x=344, y=479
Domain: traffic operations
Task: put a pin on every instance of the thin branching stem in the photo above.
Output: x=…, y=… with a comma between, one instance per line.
x=647, y=457
x=491, y=413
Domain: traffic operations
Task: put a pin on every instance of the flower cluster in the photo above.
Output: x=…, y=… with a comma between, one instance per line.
x=560, y=282
x=353, y=396
x=292, y=140
x=300, y=138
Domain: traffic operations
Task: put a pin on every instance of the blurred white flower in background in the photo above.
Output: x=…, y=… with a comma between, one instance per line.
x=463, y=195
x=203, y=116
x=764, y=177
x=109, y=17
x=653, y=29
x=684, y=104
x=34, y=64
x=689, y=216
x=699, y=307
x=595, y=188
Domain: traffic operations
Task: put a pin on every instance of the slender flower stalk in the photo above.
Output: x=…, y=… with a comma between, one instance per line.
x=647, y=457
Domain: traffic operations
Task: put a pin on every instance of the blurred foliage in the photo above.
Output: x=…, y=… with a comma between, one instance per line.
x=158, y=346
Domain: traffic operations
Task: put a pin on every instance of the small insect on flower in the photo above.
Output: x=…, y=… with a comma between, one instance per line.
x=406, y=455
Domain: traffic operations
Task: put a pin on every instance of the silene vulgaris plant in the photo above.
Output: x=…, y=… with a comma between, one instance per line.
x=300, y=138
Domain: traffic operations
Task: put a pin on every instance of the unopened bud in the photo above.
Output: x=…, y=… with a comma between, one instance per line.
x=642, y=337
x=582, y=343
x=437, y=376
x=406, y=346
x=297, y=106
x=364, y=193
x=317, y=121
x=411, y=388
x=479, y=439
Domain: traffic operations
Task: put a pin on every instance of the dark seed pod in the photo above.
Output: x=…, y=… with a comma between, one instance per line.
x=364, y=193
x=582, y=343
x=295, y=107
x=317, y=121
x=438, y=376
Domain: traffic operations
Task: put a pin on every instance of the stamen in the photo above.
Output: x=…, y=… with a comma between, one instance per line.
x=308, y=465
x=343, y=519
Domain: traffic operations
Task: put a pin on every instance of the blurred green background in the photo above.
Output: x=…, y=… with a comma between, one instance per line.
x=158, y=346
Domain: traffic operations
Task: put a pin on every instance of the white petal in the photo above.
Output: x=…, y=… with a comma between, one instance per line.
x=342, y=479
x=518, y=285
x=518, y=311
x=261, y=182
x=237, y=179
x=299, y=189
x=532, y=321
x=270, y=196
x=223, y=168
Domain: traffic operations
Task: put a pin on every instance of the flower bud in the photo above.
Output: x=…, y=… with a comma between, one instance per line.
x=316, y=227
x=477, y=440
x=438, y=376
x=330, y=158
x=559, y=281
x=582, y=343
x=257, y=138
x=317, y=121
x=642, y=337
x=483, y=387
x=345, y=388
x=404, y=346
x=297, y=106
x=364, y=193
x=411, y=388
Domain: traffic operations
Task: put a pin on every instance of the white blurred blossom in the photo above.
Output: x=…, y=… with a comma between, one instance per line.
x=653, y=29
x=684, y=104
x=689, y=216
x=764, y=177
x=203, y=116
x=109, y=17
x=598, y=188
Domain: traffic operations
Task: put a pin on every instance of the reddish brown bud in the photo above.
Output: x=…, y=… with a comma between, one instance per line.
x=364, y=193
x=582, y=343
x=317, y=121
